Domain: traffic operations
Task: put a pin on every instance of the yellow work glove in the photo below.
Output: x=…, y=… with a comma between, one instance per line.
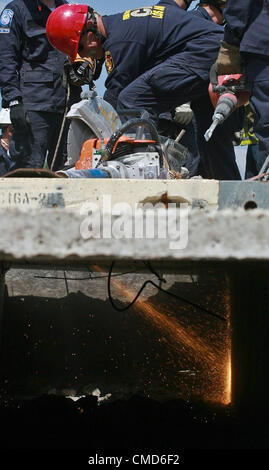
x=229, y=60
x=81, y=72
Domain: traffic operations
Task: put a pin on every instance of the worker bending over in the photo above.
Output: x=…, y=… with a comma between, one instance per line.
x=156, y=57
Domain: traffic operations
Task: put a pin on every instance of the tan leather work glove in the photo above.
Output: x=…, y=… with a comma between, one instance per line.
x=229, y=60
x=183, y=114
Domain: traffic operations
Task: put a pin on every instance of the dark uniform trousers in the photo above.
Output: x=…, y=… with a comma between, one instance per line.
x=169, y=128
x=257, y=69
x=31, y=150
x=210, y=166
x=247, y=26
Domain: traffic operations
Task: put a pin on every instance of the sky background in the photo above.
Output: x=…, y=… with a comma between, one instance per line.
x=107, y=7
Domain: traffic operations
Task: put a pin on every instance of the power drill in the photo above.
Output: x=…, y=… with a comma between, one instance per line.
x=226, y=92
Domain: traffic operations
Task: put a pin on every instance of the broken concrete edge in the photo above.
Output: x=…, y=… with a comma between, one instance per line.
x=48, y=235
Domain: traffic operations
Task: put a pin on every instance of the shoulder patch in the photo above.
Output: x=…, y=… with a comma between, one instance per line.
x=109, y=63
x=156, y=11
x=6, y=20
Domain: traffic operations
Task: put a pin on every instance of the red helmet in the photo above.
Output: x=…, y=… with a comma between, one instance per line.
x=64, y=27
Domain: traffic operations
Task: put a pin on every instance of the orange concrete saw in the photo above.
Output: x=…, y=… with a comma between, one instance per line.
x=99, y=145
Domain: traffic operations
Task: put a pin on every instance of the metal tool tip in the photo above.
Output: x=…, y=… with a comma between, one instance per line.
x=208, y=135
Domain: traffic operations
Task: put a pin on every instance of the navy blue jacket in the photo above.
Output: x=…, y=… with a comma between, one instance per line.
x=30, y=68
x=142, y=38
x=201, y=12
x=248, y=25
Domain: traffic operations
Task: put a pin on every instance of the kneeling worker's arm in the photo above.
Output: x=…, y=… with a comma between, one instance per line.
x=237, y=14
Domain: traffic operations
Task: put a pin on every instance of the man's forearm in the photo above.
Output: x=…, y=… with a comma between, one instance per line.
x=237, y=14
x=9, y=69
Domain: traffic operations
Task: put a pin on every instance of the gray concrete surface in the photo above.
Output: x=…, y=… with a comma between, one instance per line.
x=72, y=194
x=57, y=283
x=53, y=236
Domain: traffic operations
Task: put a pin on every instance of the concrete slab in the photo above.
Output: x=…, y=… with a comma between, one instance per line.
x=57, y=283
x=25, y=193
x=247, y=195
x=56, y=235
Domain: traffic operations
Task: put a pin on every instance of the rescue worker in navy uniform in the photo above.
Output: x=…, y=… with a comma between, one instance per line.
x=245, y=48
x=157, y=58
x=220, y=168
x=170, y=124
x=211, y=10
x=31, y=82
x=226, y=167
